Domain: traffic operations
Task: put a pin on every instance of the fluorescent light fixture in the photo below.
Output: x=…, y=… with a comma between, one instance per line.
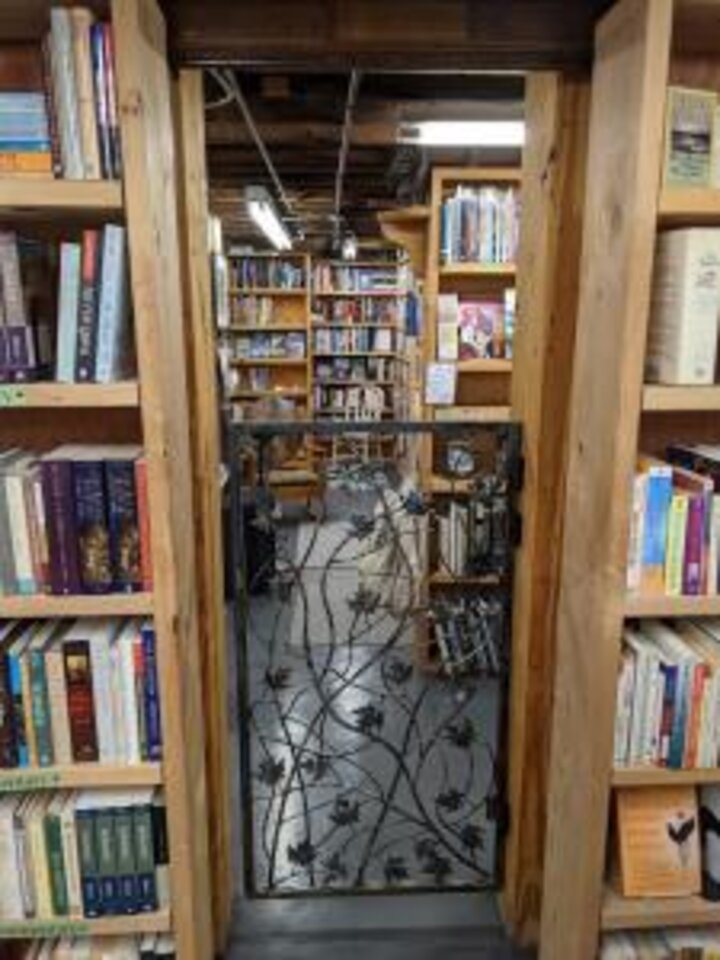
x=263, y=212
x=464, y=133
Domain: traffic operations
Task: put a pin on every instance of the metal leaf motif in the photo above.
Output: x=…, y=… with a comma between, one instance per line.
x=345, y=812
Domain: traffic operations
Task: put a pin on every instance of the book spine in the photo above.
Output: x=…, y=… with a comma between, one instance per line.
x=144, y=857
x=58, y=704
x=659, y=493
x=714, y=552
x=68, y=311
x=653, y=716
x=139, y=686
x=91, y=523
x=88, y=862
x=115, y=142
x=112, y=311
x=153, y=723
x=50, y=110
x=128, y=700
x=107, y=861
x=12, y=290
x=668, y=711
x=81, y=708
x=56, y=864
x=62, y=538
x=28, y=708
x=675, y=554
x=35, y=535
x=694, y=547
x=39, y=864
x=42, y=530
x=86, y=348
x=8, y=746
x=128, y=893
x=692, y=739
x=18, y=711
x=125, y=549
x=21, y=355
x=141, y=489
x=71, y=859
x=102, y=695
x=64, y=86
x=85, y=95
x=97, y=48
x=679, y=733
x=7, y=563
x=161, y=849
x=41, y=709
x=19, y=534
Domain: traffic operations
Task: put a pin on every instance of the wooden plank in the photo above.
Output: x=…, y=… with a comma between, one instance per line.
x=43, y=196
x=662, y=777
x=459, y=270
x=158, y=922
x=81, y=776
x=205, y=444
x=645, y=913
x=661, y=606
x=407, y=227
x=625, y=147
x=484, y=366
x=41, y=395
x=151, y=208
x=689, y=205
x=672, y=399
x=553, y=180
x=105, y=605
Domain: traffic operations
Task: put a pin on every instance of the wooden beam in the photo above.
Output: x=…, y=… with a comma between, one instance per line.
x=553, y=181
x=203, y=405
x=626, y=133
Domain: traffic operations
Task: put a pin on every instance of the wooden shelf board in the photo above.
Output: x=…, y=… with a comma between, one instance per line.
x=448, y=580
x=289, y=393
x=354, y=383
x=479, y=414
x=643, y=913
x=484, y=366
x=661, y=606
x=417, y=213
x=691, y=205
x=445, y=485
x=382, y=355
x=481, y=174
x=322, y=325
x=650, y=776
x=477, y=270
x=52, y=927
x=269, y=362
x=81, y=776
x=681, y=398
x=264, y=328
x=101, y=605
x=268, y=291
x=41, y=196
x=345, y=294
x=42, y=395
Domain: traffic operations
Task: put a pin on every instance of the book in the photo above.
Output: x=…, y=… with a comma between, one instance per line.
x=68, y=312
x=87, y=327
x=81, y=20
x=80, y=695
x=658, y=496
x=690, y=136
x=25, y=147
x=659, y=841
x=683, y=326
x=481, y=329
x=64, y=86
x=113, y=360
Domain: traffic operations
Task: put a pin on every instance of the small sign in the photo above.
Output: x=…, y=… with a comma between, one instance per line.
x=29, y=780
x=12, y=396
x=46, y=930
x=440, y=384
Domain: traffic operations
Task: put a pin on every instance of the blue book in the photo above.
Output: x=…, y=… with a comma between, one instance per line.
x=24, y=145
x=657, y=506
x=670, y=672
x=123, y=519
x=39, y=696
x=91, y=524
x=16, y=692
x=88, y=855
x=151, y=693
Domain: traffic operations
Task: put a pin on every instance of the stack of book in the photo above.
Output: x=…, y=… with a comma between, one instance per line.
x=364, y=340
x=58, y=105
x=675, y=528
x=74, y=520
x=152, y=946
x=355, y=369
x=263, y=346
x=266, y=272
x=469, y=634
x=668, y=700
x=698, y=944
x=480, y=225
x=349, y=278
x=88, y=853
x=78, y=692
x=683, y=326
x=253, y=311
x=475, y=329
x=343, y=399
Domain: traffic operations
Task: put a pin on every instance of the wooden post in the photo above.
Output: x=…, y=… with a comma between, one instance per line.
x=553, y=181
x=151, y=204
x=205, y=453
x=626, y=131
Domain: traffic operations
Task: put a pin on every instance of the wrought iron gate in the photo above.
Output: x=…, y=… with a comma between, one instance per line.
x=373, y=600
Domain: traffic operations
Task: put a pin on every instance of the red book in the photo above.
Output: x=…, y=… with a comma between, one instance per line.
x=81, y=707
x=143, y=523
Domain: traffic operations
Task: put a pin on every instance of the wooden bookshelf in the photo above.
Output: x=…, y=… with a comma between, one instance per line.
x=147, y=203
x=639, y=49
x=269, y=362
x=95, y=605
x=460, y=270
x=484, y=366
x=267, y=291
x=81, y=776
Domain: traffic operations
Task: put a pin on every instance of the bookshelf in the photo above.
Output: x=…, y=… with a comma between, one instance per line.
x=155, y=414
x=641, y=47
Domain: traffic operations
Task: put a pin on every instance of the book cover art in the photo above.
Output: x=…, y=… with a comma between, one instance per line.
x=92, y=527
x=480, y=330
x=81, y=707
x=124, y=528
x=690, y=137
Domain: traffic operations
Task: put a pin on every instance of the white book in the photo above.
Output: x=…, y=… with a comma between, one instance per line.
x=57, y=698
x=683, y=330
x=623, y=710
x=68, y=310
x=652, y=747
x=113, y=331
x=714, y=551
x=637, y=532
x=81, y=21
x=15, y=481
x=11, y=904
x=64, y=89
x=128, y=692
x=100, y=634
x=70, y=855
x=640, y=700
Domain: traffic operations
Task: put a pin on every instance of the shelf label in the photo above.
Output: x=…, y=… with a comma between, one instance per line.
x=29, y=780
x=50, y=929
x=12, y=396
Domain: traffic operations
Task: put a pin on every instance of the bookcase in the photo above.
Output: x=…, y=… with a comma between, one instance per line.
x=641, y=47
x=152, y=411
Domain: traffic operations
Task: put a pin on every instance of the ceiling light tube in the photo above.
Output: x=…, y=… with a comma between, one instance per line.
x=264, y=214
x=464, y=133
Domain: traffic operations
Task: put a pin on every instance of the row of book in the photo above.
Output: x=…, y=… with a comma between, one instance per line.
x=151, y=946
x=87, y=853
x=349, y=278
x=362, y=340
x=675, y=525
x=685, y=307
x=343, y=399
x=259, y=311
x=692, y=138
x=480, y=225
x=82, y=691
x=464, y=540
x=348, y=310
x=663, y=944
x=259, y=380
x=58, y=102
x=74, y=520
x=266, y=272
x=65, y=308
x=668, y=697
x=370, y=369
x=469, y=634
x=258, y=346
x=475, y=329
